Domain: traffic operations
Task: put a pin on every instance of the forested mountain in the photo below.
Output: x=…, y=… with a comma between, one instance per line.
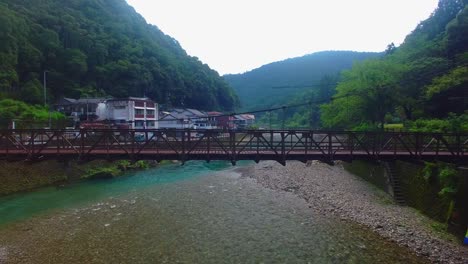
x=423, y=83
x=273, y=83
x=97, y=48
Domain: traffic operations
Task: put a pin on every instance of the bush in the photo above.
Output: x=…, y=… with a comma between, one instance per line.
x=453, y=123
x=26, y=115
x=366, y=127
x=141, y=164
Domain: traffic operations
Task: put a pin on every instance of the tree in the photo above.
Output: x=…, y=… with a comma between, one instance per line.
x=100, y=47
x=366, y=93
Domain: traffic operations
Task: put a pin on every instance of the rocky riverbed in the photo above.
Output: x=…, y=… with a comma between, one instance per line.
x=334, y=191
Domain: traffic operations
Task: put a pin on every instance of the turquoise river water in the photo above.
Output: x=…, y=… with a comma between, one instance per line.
x=196, y=213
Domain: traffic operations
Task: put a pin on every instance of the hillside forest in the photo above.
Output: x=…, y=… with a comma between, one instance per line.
x=89, y=48
x=275, y=83
x=422, y=84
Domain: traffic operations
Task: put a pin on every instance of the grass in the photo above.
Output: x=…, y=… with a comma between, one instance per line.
x=394, y=127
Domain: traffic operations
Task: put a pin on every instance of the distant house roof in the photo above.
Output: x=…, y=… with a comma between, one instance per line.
x=130, y=99
x=90, y=100
x=239, y=117
x=196, y=112
x=245, y=117
x=248, y=117
x=214, y=113
x=71, y=101
x=189, y=112
x=175, y=115
x=68, y=100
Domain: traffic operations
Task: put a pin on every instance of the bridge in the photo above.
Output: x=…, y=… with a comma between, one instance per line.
x=256, y=145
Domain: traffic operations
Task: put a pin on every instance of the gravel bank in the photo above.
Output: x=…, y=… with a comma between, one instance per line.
x=332, y=190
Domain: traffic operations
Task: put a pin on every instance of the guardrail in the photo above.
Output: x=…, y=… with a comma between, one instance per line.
x=279, y=145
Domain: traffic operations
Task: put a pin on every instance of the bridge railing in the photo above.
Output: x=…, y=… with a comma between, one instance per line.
x=231, y=145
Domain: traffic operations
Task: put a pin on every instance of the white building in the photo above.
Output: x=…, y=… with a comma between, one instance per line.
x=185, y=118
x=139, y=113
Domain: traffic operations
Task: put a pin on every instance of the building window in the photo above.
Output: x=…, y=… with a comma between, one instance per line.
x=139, y=111
x=139, y=124
x=150, y=112
x=150, y=124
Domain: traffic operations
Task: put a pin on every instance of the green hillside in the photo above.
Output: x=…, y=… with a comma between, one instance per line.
x=423, y=83
x=96, y=48
x=268, y=85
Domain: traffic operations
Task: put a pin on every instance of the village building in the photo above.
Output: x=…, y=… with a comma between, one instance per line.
x=185, y=118
x=244, y=121
x=82, y=109
x=138, y=113
x=221, y=121
x=131, y=112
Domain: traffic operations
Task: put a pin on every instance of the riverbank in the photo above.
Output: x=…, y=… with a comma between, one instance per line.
x=331, y=190
x=23, y=176
x=196, y=213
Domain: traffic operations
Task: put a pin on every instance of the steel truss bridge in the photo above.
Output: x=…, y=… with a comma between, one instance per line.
x=256, y=145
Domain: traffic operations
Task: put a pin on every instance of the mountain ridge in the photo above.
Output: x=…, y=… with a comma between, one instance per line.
x=95, y=48
x=305, y=71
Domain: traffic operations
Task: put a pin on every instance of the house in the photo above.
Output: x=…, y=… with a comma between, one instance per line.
x=244, y=121
x=81, y=109
x=185, y=118
x=131, y=112
x=138, y=112
x=174, y=120
x=220, y=120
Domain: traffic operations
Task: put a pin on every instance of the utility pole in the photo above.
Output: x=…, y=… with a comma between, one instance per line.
x=284, y=117
x=45, y=96
x=45, y=87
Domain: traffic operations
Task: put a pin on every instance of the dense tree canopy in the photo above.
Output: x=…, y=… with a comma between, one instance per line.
x=268, y=85
x=27, y=116
x=425, y=78
x=99, y=47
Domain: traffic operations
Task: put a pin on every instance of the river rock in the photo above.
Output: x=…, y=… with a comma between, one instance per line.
x=3, y=255
x=333, y=190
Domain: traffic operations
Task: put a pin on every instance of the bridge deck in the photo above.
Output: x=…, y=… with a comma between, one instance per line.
x=255, y=145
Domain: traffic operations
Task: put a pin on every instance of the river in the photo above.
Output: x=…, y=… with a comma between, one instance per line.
x=196, y=213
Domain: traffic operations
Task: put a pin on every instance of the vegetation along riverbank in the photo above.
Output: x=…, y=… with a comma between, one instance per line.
x=26, y=176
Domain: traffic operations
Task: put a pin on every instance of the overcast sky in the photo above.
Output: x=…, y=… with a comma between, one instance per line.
x=234, y=36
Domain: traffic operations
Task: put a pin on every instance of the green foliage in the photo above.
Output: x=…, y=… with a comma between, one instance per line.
x=394, y=127
x=366, y=94
x=268, y=85
x=305, y=116
x=26, y=116
x=123, y=165
x=453, y=123
x=447, y=179
x=446, y=175
x=412, y=82
x=366, y=127
x=102, y=173
x=428, y=171
x=96, y=48
x=455, y=78
x=141, y=164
